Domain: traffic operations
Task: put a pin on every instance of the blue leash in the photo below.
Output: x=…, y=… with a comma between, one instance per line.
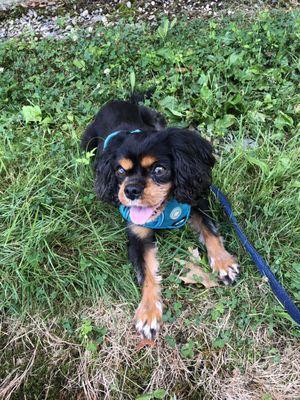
x=263, y=267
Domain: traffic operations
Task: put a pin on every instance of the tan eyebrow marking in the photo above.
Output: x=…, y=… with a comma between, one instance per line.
x=126, y=163
x=147, y=161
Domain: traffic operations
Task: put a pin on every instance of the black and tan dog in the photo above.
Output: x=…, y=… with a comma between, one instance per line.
x=141, y=164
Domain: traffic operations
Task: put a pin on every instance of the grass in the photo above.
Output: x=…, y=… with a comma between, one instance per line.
x=67, y=290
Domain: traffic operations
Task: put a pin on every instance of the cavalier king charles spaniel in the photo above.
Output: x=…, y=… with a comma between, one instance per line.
x=160, y=178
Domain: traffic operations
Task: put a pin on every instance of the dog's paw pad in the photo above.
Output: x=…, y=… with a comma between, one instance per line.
x=148, y=319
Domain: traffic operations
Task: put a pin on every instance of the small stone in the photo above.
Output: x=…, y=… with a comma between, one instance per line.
x=96, y=18
x=104, y=20
x=85, y=13
x=128, y=4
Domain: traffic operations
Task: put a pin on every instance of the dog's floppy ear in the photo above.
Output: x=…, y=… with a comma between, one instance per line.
x=192, y=164
x=106, y=185
x=105, y=179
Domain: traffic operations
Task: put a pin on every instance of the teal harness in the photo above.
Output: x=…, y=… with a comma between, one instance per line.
x=174, y=215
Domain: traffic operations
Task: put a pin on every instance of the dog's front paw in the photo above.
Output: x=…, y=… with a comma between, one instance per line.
x=148, y=318
x=226, y=266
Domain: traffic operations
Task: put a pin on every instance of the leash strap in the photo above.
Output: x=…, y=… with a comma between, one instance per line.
x=263, y=267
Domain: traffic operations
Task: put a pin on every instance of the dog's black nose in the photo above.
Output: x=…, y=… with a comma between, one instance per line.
x=133, y=191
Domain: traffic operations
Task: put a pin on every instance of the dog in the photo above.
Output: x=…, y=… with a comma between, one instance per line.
x=154, y=173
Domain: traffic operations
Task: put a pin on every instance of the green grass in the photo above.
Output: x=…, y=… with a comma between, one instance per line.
x=237, y=82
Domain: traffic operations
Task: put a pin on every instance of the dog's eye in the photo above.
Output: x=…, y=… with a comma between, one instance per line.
x=159, y=170
x=120, y=172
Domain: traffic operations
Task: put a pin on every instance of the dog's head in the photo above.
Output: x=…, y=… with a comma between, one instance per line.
x=142, y=170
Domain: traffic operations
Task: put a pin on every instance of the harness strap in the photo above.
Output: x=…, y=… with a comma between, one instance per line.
x=113, y=134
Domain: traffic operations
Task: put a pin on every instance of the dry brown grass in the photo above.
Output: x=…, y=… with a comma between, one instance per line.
x=118, y=371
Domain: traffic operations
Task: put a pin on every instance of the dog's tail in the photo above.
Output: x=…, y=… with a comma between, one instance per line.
x=140, y=96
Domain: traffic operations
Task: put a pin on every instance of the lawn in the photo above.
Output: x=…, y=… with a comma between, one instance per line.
x=68, y=292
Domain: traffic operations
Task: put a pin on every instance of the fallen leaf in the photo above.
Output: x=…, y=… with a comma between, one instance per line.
x=194, y=254
x=145, y=342
x=194, y=273
x=181, y=262
x=197, y=275
x=181, y=69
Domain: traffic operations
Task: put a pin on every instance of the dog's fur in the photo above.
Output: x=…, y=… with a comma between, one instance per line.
x=145, y=169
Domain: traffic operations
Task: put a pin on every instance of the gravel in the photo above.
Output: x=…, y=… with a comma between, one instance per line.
x=40, y=25
x=59, y=18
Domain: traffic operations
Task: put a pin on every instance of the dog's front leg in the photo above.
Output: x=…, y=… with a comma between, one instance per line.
x=142, y=253
x=222, y=262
